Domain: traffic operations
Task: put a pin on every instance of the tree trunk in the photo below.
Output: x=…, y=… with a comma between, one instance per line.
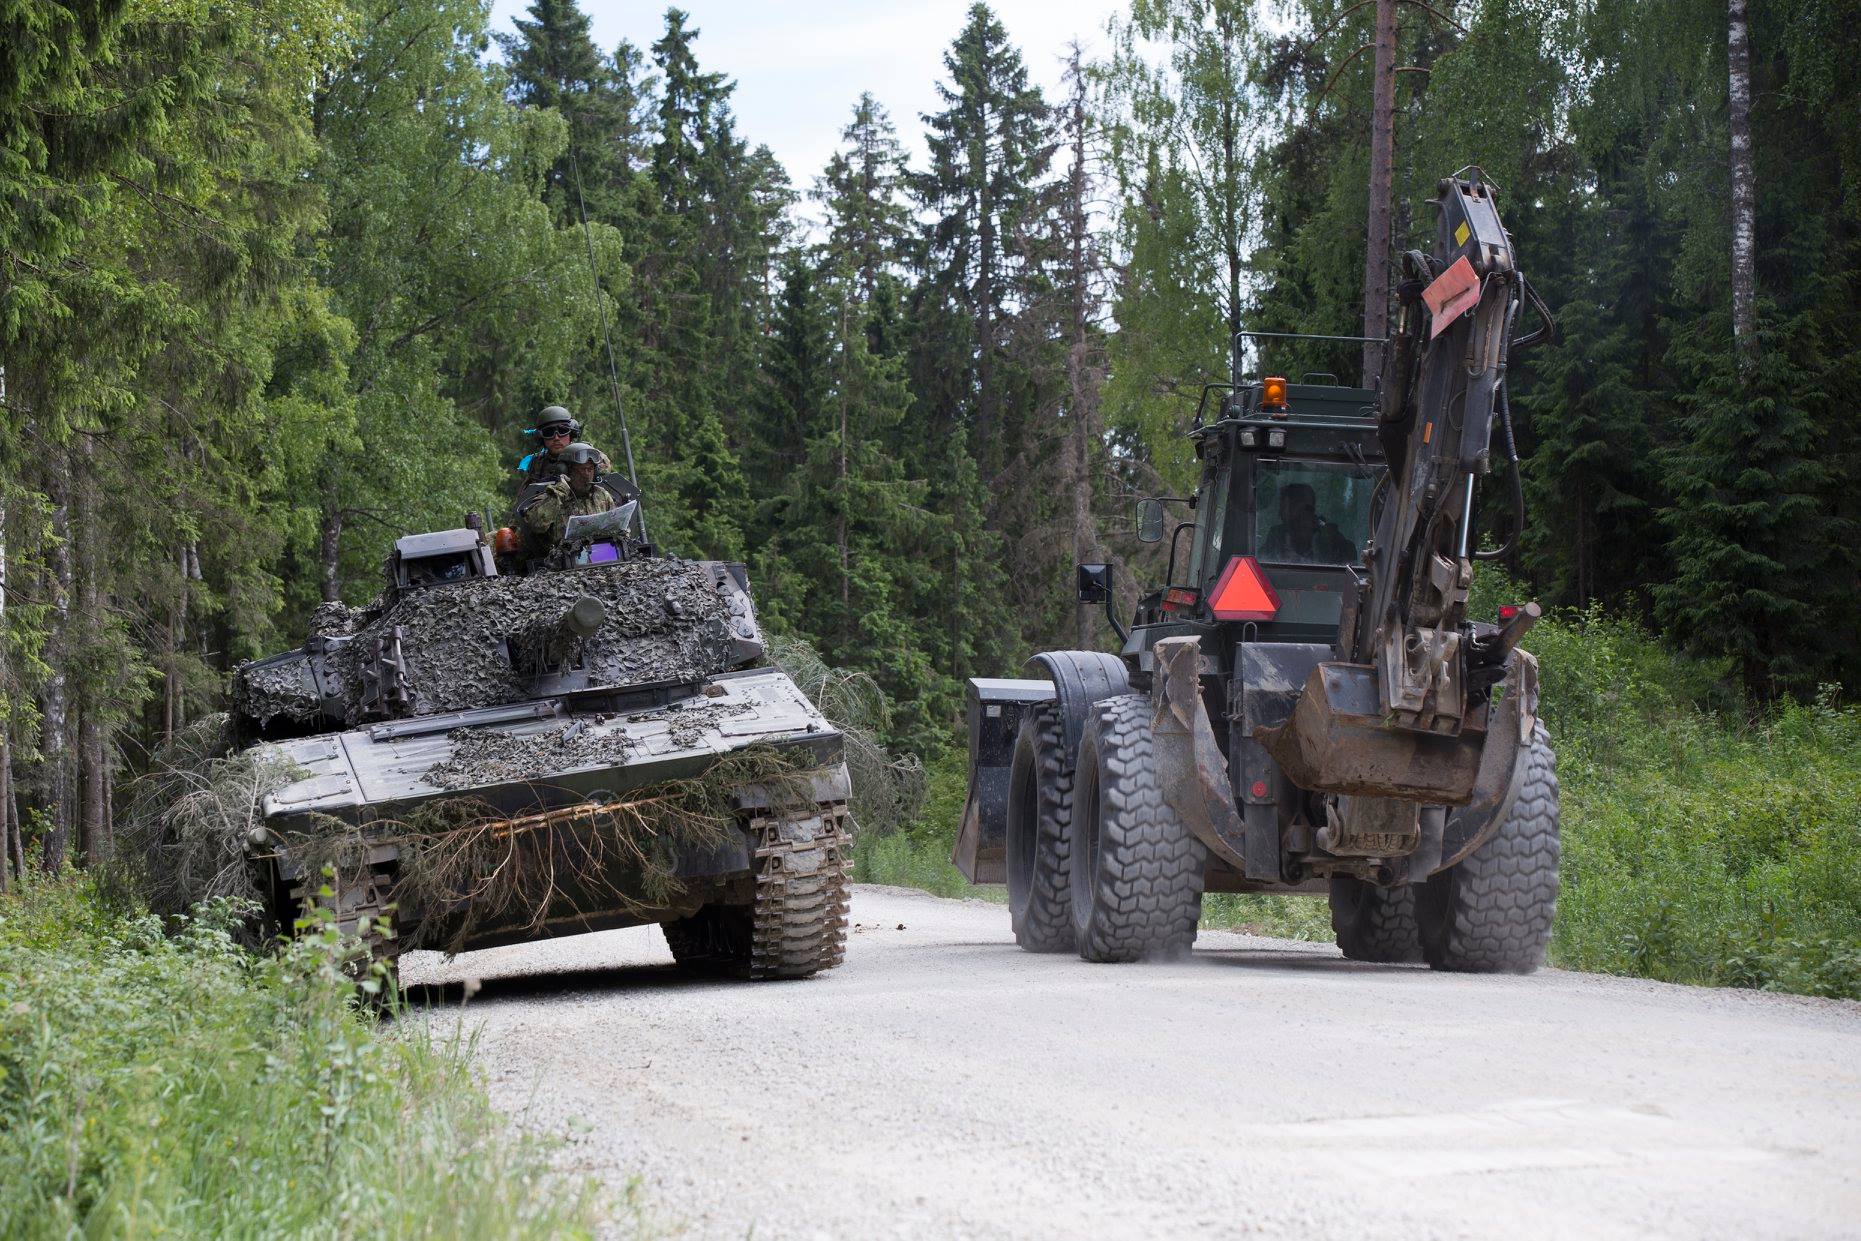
x=840, y=509
x=171, y=648
x=14, y=842
x=1082, y=394
x=6, y=807
x=1583, y=545
x=6, y=729
x=985, y=325
x=1744, y=188
x=1382, y=165
x=55, y=724
x=1231, y=198
x=329, y=550
x=93, y=828
x=90, y=764
x=956, y=606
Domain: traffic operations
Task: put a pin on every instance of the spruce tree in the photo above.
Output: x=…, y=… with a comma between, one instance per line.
x=793, y=370
x=868, y=222
x=989, y=150
x=553, y=63
x=1761, y=559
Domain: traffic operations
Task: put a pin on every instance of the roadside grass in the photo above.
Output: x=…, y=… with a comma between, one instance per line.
x=1701, y=844
x=917, y=855
x=166, y=1081
x=1263, y=913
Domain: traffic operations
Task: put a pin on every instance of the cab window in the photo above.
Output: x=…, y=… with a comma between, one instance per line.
x=1211, y=517
x=430, y=570
x=1308, y=512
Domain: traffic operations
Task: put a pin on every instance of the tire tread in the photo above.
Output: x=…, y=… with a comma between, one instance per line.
x=1492, y=912
x=1145, y=894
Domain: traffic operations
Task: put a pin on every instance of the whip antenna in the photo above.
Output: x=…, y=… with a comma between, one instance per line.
x=613, y=372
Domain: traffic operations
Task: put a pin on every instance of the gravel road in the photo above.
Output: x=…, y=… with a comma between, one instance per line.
x=943, y=1083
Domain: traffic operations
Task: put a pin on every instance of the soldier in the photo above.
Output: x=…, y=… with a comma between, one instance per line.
x=556, y=429
x=545, y=510
x=1303, y=536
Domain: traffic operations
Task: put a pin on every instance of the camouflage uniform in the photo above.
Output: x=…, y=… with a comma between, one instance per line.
x=546, y=514
x=547, y=467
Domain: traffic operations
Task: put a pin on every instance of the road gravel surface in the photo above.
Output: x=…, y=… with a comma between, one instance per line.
x=943, y=1083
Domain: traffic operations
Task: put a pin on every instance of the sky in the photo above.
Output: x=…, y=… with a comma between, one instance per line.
x=800, y=67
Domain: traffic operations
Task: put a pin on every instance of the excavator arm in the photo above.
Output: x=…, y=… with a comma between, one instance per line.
x=1436, y=408
x=1405, y=712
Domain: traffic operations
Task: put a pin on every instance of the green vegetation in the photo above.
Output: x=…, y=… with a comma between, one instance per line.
x=1699, y=846
x=917, y=854
x=166, y=1082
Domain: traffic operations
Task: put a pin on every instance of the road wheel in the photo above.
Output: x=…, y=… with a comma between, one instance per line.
x=1491, y=912
x=1137, y=869
x=709, y=940
x=357, y=897
x=1040, y=811
x=1372, y=923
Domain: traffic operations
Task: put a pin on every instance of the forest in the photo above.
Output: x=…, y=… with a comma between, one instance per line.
x=281, y=280
x=285, y=279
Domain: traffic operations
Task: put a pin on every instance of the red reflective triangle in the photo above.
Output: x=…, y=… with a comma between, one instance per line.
x=1243, y=593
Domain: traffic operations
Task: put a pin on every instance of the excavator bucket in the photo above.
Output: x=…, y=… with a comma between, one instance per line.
x=1338, y=739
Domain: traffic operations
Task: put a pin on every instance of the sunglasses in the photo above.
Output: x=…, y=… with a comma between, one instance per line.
x=557, y=432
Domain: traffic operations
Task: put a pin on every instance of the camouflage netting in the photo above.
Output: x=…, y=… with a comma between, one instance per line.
x=467, y=866
x=888, y=789
x=664, y=622
x=482, y=756
x=181, y=836
x=186, y=823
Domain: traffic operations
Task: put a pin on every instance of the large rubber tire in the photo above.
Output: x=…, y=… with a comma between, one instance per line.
x=1374, y=924
x=1491, y=913
x=1040, y=826
x=1137, y=869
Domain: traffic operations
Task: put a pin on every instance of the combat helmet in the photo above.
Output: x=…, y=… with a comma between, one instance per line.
x=553, y=414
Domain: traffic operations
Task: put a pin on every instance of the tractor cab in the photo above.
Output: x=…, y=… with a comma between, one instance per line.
x=1281, y=515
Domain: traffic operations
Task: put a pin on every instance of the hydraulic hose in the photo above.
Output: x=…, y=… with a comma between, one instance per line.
x=1512, y=462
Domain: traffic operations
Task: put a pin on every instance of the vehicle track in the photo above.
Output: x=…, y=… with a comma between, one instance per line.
x=943, y=1083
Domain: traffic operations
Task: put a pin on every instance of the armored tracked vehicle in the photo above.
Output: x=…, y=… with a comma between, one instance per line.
x=1305, y=704
x=484, y=757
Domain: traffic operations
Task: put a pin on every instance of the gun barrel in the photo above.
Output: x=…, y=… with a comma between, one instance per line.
x=548, y=643
x=584, y=616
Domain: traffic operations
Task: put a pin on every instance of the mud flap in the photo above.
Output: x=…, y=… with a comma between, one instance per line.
x=1190, y=768
x=996, y=708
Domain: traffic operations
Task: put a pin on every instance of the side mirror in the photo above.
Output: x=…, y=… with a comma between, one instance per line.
x=1150, y=521
x=1094, y=583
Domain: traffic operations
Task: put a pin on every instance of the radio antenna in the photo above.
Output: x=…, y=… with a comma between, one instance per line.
x=607, y=335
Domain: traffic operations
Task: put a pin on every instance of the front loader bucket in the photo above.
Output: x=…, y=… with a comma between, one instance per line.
x=995, y=711
x=1336, y=741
